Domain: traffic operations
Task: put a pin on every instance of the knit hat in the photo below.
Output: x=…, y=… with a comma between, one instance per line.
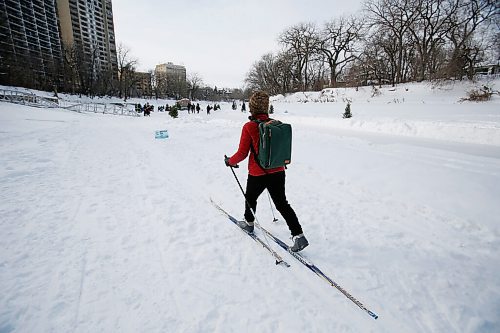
x=259, y=103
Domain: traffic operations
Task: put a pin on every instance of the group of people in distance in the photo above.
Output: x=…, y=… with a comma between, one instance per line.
x=147, y=108
x=191, y=108
x=243, y=107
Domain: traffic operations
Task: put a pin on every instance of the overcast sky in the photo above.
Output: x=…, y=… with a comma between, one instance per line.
x=218, y=39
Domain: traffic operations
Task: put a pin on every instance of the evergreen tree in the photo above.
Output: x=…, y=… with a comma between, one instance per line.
x=347, y=113
x=174, y=113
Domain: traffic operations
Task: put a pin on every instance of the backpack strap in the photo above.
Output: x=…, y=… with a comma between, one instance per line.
x=258, y=122
x=255, y=157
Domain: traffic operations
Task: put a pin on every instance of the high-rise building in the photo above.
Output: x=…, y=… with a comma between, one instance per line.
x=87, y=25
x=171, y=80
x=41, y=40
x=30, y=42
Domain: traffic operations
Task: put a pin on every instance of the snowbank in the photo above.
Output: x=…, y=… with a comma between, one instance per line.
x=413, y=110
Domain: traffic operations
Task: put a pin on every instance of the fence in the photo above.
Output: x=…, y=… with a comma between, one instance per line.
x=113, y=108
x=30, y=99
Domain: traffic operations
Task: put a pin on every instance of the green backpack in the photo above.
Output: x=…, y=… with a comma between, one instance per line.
x=275, y=144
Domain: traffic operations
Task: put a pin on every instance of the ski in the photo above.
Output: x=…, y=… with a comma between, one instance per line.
x=277, y=257
x=317, y=271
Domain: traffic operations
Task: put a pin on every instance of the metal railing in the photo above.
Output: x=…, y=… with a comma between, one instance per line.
x=18, y=97
x=124, y=109
x=30, y=99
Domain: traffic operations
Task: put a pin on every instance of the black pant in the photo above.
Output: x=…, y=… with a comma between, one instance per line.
x=275, y=184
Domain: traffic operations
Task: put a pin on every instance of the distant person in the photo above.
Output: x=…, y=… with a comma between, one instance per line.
x=198, y=108
x=243, y=107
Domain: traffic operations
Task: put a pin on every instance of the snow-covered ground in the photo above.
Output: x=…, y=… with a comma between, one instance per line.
x=106, y=229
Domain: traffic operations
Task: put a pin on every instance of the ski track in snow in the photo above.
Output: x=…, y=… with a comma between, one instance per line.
x=105, y=229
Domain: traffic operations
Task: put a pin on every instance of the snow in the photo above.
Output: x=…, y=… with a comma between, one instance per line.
x=107, y=229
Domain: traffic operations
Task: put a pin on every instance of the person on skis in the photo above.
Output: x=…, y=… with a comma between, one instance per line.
x=259, y=179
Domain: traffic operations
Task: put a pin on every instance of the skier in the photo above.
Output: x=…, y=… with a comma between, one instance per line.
x=259, y=179
x=198, y=108
x=243, y=107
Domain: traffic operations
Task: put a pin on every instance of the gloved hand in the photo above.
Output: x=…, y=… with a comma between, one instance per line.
x=226, y=161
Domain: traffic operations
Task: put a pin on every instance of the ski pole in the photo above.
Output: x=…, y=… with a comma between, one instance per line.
x=241, y=188
x=244, y=195
x=270, y=204
x=279, y=260
x=243, y=192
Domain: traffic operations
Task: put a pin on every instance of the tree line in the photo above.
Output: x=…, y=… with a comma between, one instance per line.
x=387, y=42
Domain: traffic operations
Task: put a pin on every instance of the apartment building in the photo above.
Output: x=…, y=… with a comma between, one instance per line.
x=171, y=80
x=88, y=26
x=40, y=38
x=30, y=42
x=142, y=86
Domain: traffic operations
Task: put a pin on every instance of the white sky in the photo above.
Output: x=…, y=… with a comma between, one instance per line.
x=218, y=39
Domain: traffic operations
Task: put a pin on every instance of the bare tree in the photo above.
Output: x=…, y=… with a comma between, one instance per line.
x=264, y=75
x=337, y=43
x=379, y=60
x=394, y=18
x=284, y=71
x=79, y=69
x=153, y=83
x=302, y=43
x=272, y=73
x=469, y=17
x=194, y=83
x=432, y=23
x=260, y=75
x=126, y=71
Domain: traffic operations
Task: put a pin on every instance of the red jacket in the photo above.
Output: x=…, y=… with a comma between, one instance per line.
x=250, y=135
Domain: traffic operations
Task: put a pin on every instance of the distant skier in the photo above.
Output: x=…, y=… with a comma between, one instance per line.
x=243, y=107
x=198, y=108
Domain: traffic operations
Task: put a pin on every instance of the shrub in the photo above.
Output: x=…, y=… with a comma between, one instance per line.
x=376, y=91
x=479, y=94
